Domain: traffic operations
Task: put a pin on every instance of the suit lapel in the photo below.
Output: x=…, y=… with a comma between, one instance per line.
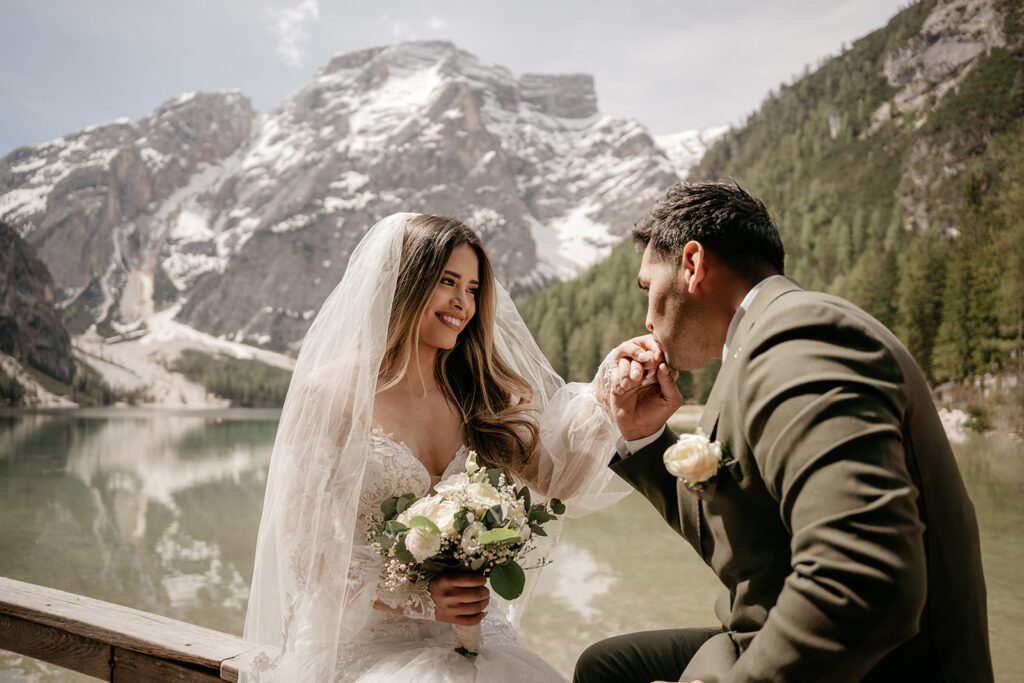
x=723, y=384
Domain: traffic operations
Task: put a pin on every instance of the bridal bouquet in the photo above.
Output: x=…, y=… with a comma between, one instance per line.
x=476, y=521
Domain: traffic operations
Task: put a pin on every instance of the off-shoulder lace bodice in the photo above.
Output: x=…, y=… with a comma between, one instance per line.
x=393, y=470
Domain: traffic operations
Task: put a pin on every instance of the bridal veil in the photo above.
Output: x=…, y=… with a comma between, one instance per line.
x=311, y=589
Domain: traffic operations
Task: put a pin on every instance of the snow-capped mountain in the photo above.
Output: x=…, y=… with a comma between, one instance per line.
x=685, y=149
x=242, y=223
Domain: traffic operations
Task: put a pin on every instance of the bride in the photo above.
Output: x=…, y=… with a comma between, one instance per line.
x=416, y=358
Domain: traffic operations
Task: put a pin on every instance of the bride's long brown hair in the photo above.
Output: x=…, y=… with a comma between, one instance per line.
x=493, y=400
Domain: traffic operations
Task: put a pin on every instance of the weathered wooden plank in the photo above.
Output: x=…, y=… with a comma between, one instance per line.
x=122, y=627
x=229, y=668
x=55, y=646
x=132, y=666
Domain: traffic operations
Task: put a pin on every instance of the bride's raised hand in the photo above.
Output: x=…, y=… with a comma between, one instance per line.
x=631, y=364
x=643, y=392
x=459, y=597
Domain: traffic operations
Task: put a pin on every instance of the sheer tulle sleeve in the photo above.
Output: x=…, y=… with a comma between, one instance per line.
x=577, y=439
x=577, y=433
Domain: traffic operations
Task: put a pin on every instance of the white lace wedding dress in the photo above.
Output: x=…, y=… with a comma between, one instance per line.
x=411, y=645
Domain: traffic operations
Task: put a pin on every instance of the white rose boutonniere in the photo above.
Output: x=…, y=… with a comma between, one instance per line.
x=695, y=459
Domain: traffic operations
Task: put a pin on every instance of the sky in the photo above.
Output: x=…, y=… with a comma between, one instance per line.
x=674, y=65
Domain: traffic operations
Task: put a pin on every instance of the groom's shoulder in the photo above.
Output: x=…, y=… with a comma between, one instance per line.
x=796, y=305
x=805, y=313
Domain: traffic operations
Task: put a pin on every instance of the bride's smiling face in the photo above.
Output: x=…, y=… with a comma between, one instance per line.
x=453, y=303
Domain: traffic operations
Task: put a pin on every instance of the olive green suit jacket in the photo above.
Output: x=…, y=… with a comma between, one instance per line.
x=842, y=530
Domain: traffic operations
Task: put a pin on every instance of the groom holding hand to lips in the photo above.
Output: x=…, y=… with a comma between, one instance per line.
x=836, y=517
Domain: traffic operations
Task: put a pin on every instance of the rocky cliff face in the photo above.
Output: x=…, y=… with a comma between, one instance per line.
x=246, y=222
x=927, y=68
x=31, y=329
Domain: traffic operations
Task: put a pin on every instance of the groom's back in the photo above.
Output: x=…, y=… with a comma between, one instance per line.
x=952, y=643
x=954, y=624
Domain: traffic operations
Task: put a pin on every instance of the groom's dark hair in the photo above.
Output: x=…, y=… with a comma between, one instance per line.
x=727, y=220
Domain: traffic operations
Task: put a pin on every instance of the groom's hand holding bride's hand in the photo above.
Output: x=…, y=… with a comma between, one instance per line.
x=643, y=388
x=459, y=597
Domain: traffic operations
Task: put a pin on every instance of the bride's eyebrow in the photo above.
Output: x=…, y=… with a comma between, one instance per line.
x=459, y=277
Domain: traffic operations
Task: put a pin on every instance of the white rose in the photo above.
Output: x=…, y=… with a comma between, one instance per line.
x=483, y=495
x=439, y=511
x=471, y=538
x=424, y=507
x=454, y=483
x=422, y=543
x=445, y=517
x=693, y=458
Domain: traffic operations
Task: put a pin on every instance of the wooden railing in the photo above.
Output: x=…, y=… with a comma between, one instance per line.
x=111, y=642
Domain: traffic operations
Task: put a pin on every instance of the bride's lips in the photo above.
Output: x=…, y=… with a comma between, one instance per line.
x=450, y=321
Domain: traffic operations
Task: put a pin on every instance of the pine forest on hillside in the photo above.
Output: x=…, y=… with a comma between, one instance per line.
x=947, y=276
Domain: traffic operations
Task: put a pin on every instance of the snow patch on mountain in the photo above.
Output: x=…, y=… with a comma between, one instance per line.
x=687, y=148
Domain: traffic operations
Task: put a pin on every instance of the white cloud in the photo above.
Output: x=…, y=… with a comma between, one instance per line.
x=436, y=23
x=288, y=26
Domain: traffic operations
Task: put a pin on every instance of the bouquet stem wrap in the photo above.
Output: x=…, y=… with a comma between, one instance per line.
x=467, y=639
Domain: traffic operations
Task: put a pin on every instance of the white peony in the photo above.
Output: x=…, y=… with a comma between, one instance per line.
x=422, y=543
x=439, y=511
x=693, y=458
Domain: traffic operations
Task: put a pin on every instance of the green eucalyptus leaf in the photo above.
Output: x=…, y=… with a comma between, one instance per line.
x=557, y=506
x=390, y=508
x=524, y=494
x=424, y=523
x=539, y=514
x=405, y=501
x=499, y=535
x=494, y=518
x=476, y=564
x=460, y=521
x=401, y=552
x=396, y=527
x=493, y=476
x=508, y=580
x=538, y=529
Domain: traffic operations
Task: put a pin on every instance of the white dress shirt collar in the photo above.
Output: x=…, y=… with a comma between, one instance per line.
x=738, y=315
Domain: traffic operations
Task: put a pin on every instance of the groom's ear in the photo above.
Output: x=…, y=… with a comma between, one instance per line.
x=693, y=265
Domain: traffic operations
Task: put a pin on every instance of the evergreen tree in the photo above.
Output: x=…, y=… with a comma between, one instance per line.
x=873, y=283
x=955, y=338
x=919, y=296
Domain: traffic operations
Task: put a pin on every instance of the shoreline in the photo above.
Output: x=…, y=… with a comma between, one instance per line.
x=154, y=410
x=955, y=420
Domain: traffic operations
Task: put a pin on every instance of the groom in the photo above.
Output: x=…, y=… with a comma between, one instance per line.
x=837, y=519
